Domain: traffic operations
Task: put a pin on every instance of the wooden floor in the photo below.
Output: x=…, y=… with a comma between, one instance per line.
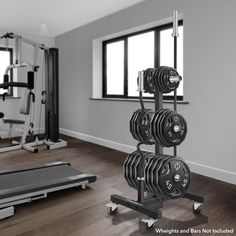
x=77, y=212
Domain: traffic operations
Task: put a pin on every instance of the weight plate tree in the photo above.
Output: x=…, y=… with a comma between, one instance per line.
x=164, y=176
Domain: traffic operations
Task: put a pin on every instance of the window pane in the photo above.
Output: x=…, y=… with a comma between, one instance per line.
x=140, y=57
x=115, y=68
x=4, y=62
x=167, y=53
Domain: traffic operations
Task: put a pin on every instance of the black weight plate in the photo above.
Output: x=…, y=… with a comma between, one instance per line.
x=133, y=179
x=145, y=78
x=159, y=165
x=152, y=187
x=171, y=86
x=143, y=136
x=160, y=127
x=148, y=81
x=154, y=191
x=155, y=124
x=181, y=168
x=144, y=121
x=162, y=76
x=137, y=124
x=155, y=79
x=171, y=188
x=149, y=158
x=129, y=171
x=172, y=137
x=162, y=79
x=133, y=124
x=136, y=166
x=132, y=169
x=162, y=130
x=165, y=80
x=147, y=176
x=156, y=177
x=137, y=163
x=155, y=188
x=166, y=182
x=127, y=164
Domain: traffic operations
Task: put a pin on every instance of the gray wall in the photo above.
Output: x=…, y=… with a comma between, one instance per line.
x=209, y=70
x=10, y=107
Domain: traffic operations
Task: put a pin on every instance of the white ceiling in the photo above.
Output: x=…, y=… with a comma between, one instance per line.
x=59, y=16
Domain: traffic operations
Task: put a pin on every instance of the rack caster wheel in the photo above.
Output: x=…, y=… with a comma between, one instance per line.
x=83, y=186
x=149, y=222
x=196, y=208
x=112, y=207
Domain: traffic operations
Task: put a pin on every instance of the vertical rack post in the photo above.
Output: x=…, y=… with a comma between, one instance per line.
x=175, y=34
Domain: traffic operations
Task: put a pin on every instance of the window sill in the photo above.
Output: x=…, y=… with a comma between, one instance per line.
x=9, y=97
x=135, y=100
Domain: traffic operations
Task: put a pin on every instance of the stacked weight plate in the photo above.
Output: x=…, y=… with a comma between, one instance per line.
x=159, y=80
x=131, y=165
x=164, y=175
x=140, y=125
x=167, y=176
x=168, y=128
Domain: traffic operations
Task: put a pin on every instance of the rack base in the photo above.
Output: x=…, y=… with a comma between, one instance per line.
x=145, y=207
x=151, y=206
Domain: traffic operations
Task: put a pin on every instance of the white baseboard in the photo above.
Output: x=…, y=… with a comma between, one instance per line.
x=209, y=171
x=100, y=141
x=212, y=172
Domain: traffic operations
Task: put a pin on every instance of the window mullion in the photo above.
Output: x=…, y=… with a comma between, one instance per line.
x=104, y=55
x=157, y=47
x=126, y=67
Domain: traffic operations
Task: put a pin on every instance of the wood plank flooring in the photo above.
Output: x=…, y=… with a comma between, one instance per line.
x=77, y=212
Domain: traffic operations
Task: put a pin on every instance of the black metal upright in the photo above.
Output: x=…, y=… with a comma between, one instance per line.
x=52, y=93
x=175, y=35
x=158, y=105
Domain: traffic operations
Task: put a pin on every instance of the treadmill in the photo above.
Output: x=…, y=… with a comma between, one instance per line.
x=23, y=185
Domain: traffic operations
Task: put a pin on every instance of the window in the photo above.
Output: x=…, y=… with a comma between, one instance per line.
x=6, y=55
x=124, y=56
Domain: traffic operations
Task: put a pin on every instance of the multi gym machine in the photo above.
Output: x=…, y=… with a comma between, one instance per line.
x=50, y=96
x=163, y=177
